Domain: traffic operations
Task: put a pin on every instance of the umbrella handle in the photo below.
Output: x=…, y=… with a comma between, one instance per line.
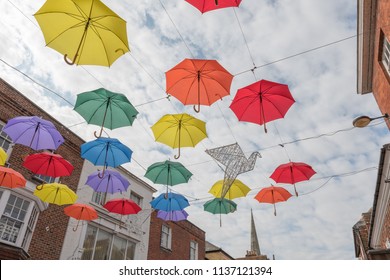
x=75, y=229
x=39, y=187
x=102, y=174
x=100, y=133
x=178, y=155
x=274, y=210
x=197, y=109
x=296, y=193
x=68, y=61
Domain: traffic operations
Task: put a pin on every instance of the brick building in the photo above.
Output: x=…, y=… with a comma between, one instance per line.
x=372, y=232
x=373, y=51
x=32, y=229
x=175, y=240
x=216, y=253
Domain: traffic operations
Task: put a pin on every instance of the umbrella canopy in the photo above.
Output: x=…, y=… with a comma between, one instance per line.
x=170, y=202
x=85, y=30
x=178, y=215
x=262, y=102
x=105, y=108
x=48, y=164
x=111, y=182
x=3, y=156
x=33, y=132
x=55, y=193
x=220, y=206
x=209, y=5
x=292, y=172
x=123, y=206
x=179, y=130
x=168, y=173
x=10, y=178
x=80, y=212
x=198, y=81
x=106, y=152
x=272, y=195
x=237, y=189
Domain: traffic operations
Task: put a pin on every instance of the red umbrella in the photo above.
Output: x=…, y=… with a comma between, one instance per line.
x=262, y=102
x=122, y=206
x=10, y=178
x=81, y=212
x=292, y=172
x=209, y=5
x=48, y=164
x=272, y=195
x=198, y=82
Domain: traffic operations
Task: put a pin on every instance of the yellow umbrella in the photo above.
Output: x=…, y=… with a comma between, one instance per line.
x=179, y=130
x=86, y=31
x=237, y=189
x=3, y=157
x=56, y=193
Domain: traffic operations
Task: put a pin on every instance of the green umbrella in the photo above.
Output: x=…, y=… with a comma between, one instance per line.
x=105, y=108
x=168, y=173
x=220, y=206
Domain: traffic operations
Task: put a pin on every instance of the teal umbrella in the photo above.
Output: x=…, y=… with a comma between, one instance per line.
x=220, y=206
x=168, y=173
x=105, y=108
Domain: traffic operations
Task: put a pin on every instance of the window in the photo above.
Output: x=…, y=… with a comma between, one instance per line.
x=45, y=179
x=102, y=245
x=193, y=250
x=5, y=140
x=136, y=198
x=18, y=219
x=166, y=237
x=99, y=197
x=386, y=54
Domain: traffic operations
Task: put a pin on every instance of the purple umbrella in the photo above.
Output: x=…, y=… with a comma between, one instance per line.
x=175, y=216
x=34, y=132
x=111, y=182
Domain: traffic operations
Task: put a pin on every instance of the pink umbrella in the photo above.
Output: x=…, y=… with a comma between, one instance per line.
x=209, y=5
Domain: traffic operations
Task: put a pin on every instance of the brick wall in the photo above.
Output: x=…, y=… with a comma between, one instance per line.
x=386, y=228
x=182, y=233
x=381, y=80
x=50, y=230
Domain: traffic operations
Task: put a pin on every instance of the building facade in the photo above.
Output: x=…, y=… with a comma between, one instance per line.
x=373, y=56
x=175, y=240
x=214, y=253
x=32, y=229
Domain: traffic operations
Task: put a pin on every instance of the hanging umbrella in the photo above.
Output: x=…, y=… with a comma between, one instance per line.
x=262, y=102
x=179, y=130
x=292, y=172
x=168, y=173
x=105, y=108
x=10, y=178
x=48, y=164
x=55, y=193
x=122, y=206
x=237, y=189
x=85, y=30
x=111, y=182
x=3, y=157
x=106, y=152
x=272, y=195
x=80, y=212
x=178, y=215
x=208, y=5
x=220, y=206
x=198, y=81
x=33, y=132
x=170, y=202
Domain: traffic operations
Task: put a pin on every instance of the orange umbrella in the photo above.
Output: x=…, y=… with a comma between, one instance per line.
x=198, y=82
x=272, y=195
x=11, y=179
x=80, y=212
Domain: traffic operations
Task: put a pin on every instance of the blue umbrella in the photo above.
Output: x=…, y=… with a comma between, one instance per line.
x=169, y=202
x=106, y=152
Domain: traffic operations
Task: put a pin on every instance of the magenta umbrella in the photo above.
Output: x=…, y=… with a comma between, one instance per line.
x=33, y=132
x=111, y=182
x=209, y=5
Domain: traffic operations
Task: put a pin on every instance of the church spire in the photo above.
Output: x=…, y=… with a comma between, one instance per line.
x=255, y=246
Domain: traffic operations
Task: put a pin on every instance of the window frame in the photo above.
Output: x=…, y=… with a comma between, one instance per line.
x=4, y=138
x=193, y=250
x=166, y=244
x=136, y=198
x=384, y=54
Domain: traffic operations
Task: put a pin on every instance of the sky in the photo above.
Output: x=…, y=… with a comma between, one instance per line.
x=310, y=45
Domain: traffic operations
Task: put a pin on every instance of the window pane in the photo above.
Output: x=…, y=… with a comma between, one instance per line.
x=9, y=229
x=130, y=250
x=118, y=249
x=102, y=247
x=89, y=243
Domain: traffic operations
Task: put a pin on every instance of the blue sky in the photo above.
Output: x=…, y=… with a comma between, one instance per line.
x=267, y=34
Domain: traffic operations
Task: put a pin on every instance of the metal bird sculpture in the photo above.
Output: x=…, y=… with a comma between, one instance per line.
x=233, y=158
